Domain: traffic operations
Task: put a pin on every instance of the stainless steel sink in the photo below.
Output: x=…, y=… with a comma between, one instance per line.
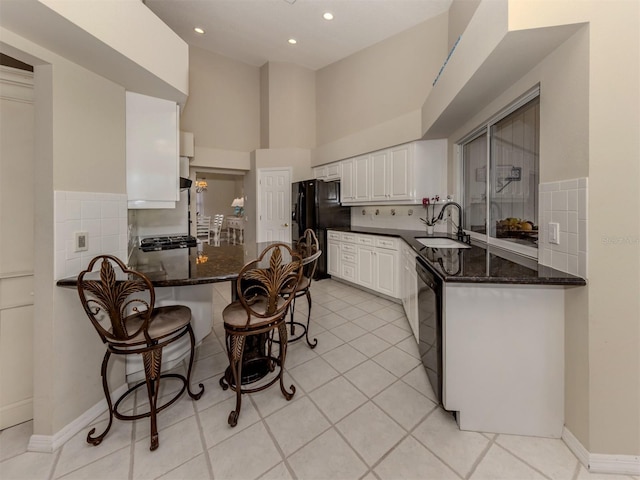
x=441, y=242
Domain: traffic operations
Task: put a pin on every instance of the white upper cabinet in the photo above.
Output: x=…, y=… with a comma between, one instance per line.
x=346, y=182
x=361, y=181
x=402, y=174
x=328, y=172
x=152, y=139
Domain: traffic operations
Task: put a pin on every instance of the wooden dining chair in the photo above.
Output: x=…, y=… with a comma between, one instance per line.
x=255, y=318
x=120, y=304
x=203, y=229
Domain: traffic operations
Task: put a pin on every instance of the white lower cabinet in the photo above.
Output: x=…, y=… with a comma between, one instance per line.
x=366, y=260
x=333, y=262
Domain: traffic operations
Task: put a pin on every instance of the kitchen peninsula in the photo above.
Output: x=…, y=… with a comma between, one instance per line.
x=184, y=276
x=489, y=323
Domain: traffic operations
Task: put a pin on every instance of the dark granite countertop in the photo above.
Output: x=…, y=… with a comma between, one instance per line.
x=478, y=264
x=187, y=266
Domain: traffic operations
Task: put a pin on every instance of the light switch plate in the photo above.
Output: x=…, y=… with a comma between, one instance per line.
x=554, y=233
x=81, y=242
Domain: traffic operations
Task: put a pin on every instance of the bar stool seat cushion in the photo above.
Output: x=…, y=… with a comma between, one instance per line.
x=235, y=315
x=164, y=321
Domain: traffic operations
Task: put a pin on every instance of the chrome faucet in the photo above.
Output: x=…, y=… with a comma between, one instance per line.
x=463, y=237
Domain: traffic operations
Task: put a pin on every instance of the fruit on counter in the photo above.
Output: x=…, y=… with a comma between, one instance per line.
x=526, y=226
x=511, y=223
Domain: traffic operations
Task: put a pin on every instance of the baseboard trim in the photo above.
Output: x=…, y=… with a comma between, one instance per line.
x=601, y=463
x=50, y=443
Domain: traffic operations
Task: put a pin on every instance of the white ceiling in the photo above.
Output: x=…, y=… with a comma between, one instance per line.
x=256, y=31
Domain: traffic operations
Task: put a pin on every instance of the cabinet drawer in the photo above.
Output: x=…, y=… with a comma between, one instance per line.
x=348, y=257
x=385, y=242
x=362, y=240
x=349, y=271
x=348, y=248
x=349, y=237
x=333, y=235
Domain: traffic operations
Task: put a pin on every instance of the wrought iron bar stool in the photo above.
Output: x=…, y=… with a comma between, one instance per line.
x=308, y=245
x=251, y=321
x=120, y=304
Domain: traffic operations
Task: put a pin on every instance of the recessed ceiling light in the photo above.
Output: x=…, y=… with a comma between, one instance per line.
x=293, y=41
x=198, y=30
x=328, y=16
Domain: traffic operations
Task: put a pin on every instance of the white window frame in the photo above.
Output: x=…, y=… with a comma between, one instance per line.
x=485, y=128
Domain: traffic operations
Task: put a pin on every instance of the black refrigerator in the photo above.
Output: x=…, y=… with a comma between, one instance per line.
x=316, y=205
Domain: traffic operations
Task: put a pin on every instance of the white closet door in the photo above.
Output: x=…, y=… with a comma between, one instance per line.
x=274, y=210
x=16, y=246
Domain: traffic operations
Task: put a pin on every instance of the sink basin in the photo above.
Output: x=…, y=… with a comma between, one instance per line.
x=441, y=243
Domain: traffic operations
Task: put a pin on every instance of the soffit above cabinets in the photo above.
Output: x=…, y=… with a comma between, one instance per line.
x=487, y=60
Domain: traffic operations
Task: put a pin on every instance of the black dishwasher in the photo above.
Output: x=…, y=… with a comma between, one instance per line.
x=430, y=325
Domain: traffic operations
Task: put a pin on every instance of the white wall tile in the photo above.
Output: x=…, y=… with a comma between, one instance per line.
x=110, y=244
x=572, y=244
x=565, y=202
x=559, y=201
x=583, y=205
x=109, y=209
x=561, y=217
x=569, y=184
x=559, y=261
x=90, y=209
x=572, y=264
x=73, y=209
x=572, y=200
x=110, y=226
x=103, y=216
x=582, y=235
x=572, y=222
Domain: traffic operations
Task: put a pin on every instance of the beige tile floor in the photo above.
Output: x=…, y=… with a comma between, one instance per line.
x=363, y=409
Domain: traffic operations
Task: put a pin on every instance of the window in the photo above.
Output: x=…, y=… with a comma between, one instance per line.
x=500, y=165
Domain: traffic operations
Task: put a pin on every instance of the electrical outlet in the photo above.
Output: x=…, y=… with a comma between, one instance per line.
x=554, y=233
x=81, y=242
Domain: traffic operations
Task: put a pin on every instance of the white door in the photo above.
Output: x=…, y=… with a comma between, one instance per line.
x=274, y=209
x=16, y=246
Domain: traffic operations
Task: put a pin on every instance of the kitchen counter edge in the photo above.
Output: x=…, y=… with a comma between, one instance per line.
x=546, y=275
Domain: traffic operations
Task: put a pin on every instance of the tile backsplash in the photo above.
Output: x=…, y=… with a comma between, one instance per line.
x=102, y=215
x=565, y=203
x=401, y=217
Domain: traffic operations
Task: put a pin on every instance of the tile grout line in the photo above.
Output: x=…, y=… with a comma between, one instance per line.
x=132, y=447
x=55, y=463
x=481, y=457
x=522, y=459
x=283, y=457
x=203, y=442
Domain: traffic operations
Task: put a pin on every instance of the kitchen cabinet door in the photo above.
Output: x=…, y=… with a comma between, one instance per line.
x=152, y=139
x=333, y=261
x=333, y=171
x=320, y=173
x=366, y=265
x=379, y=179
x=399, y=173
x=386, y=262
x=361, y=180
x=346, y=181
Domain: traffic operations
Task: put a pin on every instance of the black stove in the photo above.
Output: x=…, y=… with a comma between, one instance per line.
x=151, y=244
